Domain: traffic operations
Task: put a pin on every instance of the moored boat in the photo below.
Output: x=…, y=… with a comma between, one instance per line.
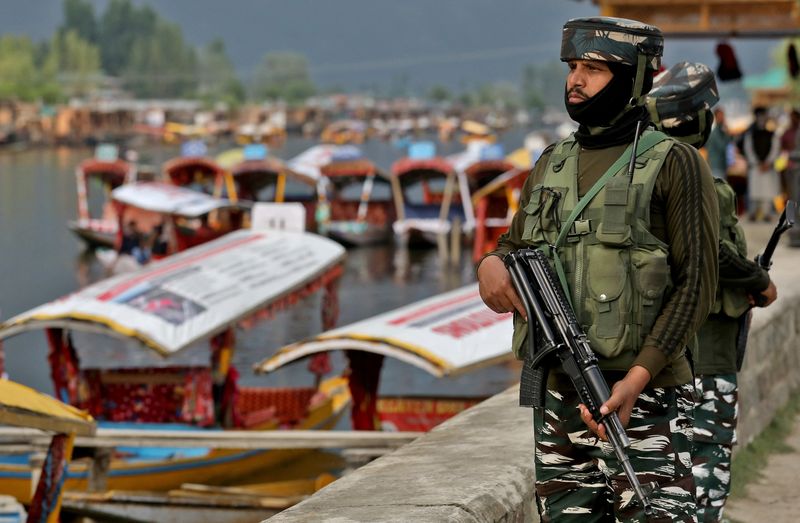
x=194, y=169
x=156, y=219
x=156, y=347
x=105, y=169
x=260, y=177
x=449, y=335
x=427, y=191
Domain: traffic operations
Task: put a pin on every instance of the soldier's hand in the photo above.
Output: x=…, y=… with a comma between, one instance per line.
x=497, y=291
x=623, y=397
x=765, y=299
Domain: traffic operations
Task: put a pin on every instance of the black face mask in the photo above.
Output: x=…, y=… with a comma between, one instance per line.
x=603, y=107
x=611, y=104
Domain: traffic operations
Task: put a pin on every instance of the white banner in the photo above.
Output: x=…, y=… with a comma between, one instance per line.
x=192, y=295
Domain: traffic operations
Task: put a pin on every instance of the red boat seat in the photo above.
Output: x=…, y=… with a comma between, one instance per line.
x=288, y=405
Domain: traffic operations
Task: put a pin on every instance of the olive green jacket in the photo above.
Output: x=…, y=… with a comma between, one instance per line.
x=685, y=215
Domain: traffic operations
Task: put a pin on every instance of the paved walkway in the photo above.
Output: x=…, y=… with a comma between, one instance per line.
x=773, y=497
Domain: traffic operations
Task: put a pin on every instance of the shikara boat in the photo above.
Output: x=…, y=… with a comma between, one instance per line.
x=354, y=196
x=109, y=172
x=259, y=177
x=21, y=406
x=154, y=348
x=429, y=195
x=165, y=219
x=194, y=170
x=343, y=132
x=495, y=198
x=448, y=335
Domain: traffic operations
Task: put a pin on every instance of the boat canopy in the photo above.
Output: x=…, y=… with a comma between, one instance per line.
x=405, y=167
x=164, y=198
x=182, y=169
x=195, y=294
x=24, y=407
x=114, y=173
x=311, y=161
x=448, y=334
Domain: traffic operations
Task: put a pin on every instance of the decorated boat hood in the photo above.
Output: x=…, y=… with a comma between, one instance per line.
x=448, y=334
x=311, y=161
x=168, y=199
x=24, y=407
x=195, y=294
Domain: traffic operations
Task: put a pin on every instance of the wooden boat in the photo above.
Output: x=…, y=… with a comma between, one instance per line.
x=343, y=132
x=110, y=172
x=24, y=407
x=427, y=192
x=162, y=219
x=155, y=347
x=354, y=196
x=360, y=199
x=495, y=191
x=259, y=177
x=194, y=170
x=448, y=335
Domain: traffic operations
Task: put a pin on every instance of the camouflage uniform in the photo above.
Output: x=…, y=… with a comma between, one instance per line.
x=578, y=477
x=680, y=104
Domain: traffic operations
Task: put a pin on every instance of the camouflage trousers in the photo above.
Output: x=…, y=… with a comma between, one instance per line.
x=579, y=479
x=714, y=437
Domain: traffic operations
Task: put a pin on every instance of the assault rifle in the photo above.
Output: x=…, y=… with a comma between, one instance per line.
x=764, y=260
x=785, y=223
x=550, y=313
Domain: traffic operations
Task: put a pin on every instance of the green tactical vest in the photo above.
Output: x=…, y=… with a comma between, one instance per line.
x=616, y=270
x=731, y=302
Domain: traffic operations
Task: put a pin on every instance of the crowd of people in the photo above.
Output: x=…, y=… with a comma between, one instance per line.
x=643, y=234
x=766, y=147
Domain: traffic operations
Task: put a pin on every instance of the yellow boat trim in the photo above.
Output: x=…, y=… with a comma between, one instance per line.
x=26, y=407
x=414, y=349
x=111, y=324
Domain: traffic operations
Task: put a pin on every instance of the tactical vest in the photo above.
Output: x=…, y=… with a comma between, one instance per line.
x=615, y=269
x=731, y=302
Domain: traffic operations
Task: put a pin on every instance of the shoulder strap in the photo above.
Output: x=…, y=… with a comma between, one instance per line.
x=648, y=140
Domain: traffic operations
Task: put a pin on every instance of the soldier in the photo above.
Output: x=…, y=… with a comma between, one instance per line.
x=640, y=266
x=680, y=105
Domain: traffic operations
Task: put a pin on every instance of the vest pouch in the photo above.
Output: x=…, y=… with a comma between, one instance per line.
x=539, y=213
x=614, y=237
x=652, y=278
x=609, y=301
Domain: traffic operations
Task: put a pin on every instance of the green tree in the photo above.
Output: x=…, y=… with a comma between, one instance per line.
x=439, y=93
x=122, y=26
x=77, y=62
x=20, y=78
x=162, y=65
x=79, y=17
x=284, y=76
x=217, y=77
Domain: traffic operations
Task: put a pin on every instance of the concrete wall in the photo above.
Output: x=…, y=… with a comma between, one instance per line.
x=478, y=467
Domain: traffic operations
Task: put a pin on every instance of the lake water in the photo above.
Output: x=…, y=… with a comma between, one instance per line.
x=41, y=260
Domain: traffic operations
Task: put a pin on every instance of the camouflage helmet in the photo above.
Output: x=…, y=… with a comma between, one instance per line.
x=612, y=40
x=681, y=99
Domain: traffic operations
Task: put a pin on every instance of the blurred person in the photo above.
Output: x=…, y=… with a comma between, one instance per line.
x=669, y=224
x=761, y=147
x=682, y=98
x=717, y=146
